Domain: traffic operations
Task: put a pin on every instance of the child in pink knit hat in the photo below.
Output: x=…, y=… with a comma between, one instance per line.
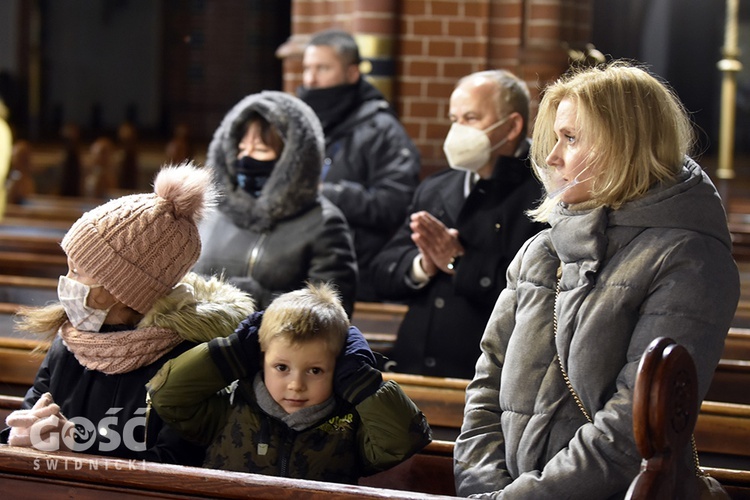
x=126, y=306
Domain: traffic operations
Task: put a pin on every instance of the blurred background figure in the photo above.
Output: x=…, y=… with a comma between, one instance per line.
x=448, y=259
x=72, y=166
x=273, y=231
x=178, y=148
x=6, y=144
x=20, y=183
x=127, y=137
x=371, y=166
x=100, y=177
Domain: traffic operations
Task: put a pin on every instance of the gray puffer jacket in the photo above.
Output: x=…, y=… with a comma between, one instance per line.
x=289, y=234
x=659, y=266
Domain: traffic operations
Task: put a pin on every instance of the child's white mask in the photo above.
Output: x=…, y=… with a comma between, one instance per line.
x=73, y=296
x=468, y=148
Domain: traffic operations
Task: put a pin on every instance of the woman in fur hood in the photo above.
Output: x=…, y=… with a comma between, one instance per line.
x=273, y=231
x=126, y=306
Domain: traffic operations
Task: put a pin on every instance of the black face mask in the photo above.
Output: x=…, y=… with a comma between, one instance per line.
x=331, y=104
x=252, y=174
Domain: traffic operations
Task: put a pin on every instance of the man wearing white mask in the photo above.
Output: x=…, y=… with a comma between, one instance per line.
x=448, y=260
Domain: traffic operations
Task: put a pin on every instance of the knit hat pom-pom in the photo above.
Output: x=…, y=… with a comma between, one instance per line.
x=189, y=188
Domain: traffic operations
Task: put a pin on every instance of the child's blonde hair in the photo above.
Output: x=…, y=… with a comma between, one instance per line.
x=311, y=313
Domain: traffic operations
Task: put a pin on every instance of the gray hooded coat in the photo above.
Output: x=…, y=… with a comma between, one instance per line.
x=289, y=234
x=659, y=266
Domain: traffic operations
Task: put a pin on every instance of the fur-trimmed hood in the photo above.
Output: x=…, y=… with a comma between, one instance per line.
x=200, y=309
x=293, y=185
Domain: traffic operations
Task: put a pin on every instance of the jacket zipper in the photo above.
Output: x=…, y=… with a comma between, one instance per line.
x=255, y=253
x=286, y=454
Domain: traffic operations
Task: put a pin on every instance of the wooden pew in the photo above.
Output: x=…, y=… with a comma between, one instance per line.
x=60, y=226
x=33, y=264
x=8, y=404
x=37, y=242
x=26, y=290
x=379, y=323
x=64, y=213
x=26, y=473
x=441, y=400
x=665, y=410
x=737, y=344
x=723, y=429
x=19, y=363
x=78, y=203
x=739, y=229
x=730, y=382
x=430, y=471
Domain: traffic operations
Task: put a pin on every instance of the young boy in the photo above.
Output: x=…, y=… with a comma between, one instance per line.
x=318, y=409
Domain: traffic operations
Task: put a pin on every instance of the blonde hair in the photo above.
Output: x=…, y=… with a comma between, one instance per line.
x=311, y=313
x=637, y=130
x=42, y=321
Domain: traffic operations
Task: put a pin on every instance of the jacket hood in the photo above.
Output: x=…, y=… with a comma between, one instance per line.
x=200, y=309
x=293, y=184
x=689, y=202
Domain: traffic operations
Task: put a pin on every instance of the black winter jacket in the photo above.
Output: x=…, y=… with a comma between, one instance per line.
x=372, y=169
x=97, y=393
x=288, y=235
x=440, y=333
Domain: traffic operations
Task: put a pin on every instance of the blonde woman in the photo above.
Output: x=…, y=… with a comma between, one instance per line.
x=638, y=248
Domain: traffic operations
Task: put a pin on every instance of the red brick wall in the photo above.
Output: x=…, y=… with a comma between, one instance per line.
x=435, y=42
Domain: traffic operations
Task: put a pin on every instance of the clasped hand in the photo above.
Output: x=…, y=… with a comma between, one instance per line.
x=437, y=243
x=39, y=426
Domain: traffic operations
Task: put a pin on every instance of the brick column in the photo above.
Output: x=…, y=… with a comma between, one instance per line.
x=375, y=29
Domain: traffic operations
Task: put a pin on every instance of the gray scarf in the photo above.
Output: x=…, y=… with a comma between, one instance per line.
x=299, y=420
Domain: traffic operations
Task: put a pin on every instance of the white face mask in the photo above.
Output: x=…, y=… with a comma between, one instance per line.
x=468, y=148
x=73, y=296
x=551, y=184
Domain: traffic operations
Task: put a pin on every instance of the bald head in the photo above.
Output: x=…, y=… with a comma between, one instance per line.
x=481, y=100
x=509, y=94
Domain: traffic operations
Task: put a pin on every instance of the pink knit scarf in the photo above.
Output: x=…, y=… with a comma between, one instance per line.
x=119, y=352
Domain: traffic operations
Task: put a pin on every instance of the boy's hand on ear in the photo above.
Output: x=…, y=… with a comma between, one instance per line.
x=249, y=340
x=238, y=355
x=356, y=377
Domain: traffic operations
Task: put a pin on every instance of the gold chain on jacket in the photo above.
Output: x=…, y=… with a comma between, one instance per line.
x=698, y=470
x=559, y=360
